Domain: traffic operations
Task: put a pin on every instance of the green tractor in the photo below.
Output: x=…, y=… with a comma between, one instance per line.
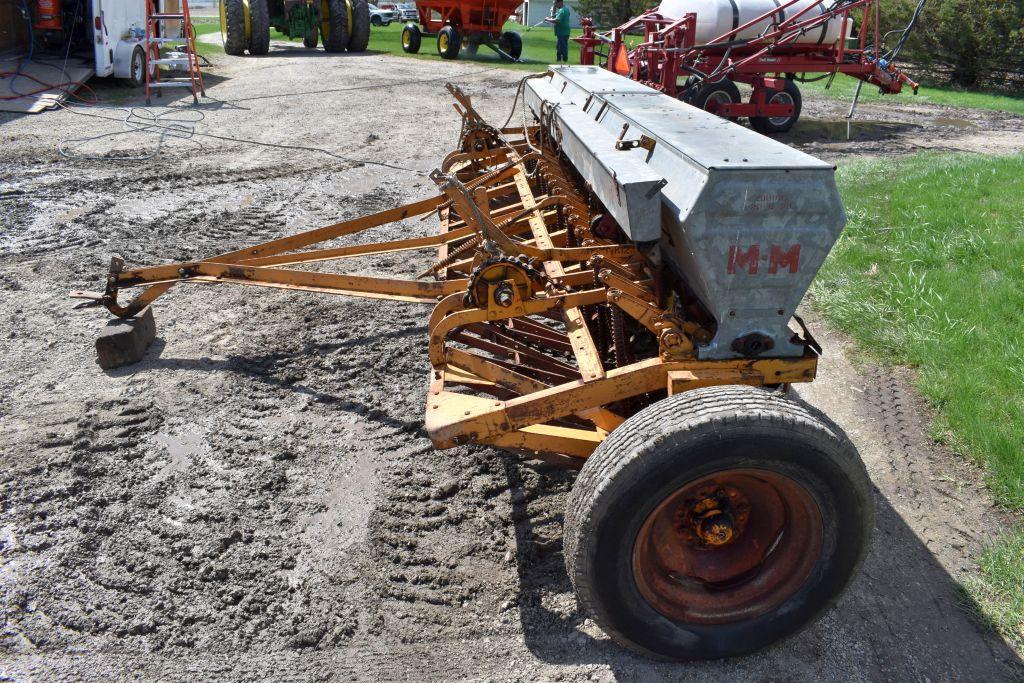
x=342, y=25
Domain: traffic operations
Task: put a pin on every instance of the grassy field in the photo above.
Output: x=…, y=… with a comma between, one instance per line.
x=930, y=273
x=539, y=51
x=843, y=87
x=538, y=46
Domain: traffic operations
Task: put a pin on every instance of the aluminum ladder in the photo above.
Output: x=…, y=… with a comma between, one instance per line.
x=156, y=36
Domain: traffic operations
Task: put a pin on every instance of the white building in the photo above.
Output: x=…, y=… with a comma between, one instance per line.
x=534, y=12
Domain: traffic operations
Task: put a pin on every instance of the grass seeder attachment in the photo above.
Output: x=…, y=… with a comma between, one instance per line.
x=615, y=291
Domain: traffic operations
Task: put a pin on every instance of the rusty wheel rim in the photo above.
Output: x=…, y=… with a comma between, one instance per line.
x=728, y=547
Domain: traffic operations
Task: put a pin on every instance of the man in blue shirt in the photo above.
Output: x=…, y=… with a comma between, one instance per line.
x=561, y=22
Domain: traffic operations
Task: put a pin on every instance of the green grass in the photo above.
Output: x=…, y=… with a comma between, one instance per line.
x=930, y=273
x=843, y=87
x=998, y=590
x=538, y=47
x=539, y=51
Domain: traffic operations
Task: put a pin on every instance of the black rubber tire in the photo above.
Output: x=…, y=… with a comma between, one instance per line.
x=767, y=126
x=685, y=437
x=336, y=39
x=454, y=42
x=235, y=41
x=259, y=24
x=137, y=68
x=701, y=95
x=511, y=43
x=411, y=38
x=312, y=37
x=375, y=20
x=360, y=38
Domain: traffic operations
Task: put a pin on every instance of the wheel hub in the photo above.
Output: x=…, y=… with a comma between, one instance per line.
x=728, y=546
x=715, y=517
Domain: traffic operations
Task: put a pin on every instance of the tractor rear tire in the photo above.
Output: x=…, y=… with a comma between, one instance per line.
x=708, y=96
x=511, y=43
x=233, y=26
x=449, y=42
x=360, y=37
x=768, y=125
x=716, y=522
x=259, y=23
x=334, y=31
x=411, y=38
x=312, y=37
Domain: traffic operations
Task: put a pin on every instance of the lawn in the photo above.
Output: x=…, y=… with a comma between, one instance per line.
x=539, y=51
x=930, y=274
x=843, y=87
x=538, y=46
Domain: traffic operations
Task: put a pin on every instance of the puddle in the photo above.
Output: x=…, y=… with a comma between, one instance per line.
x=954, y=123
x=809, y=130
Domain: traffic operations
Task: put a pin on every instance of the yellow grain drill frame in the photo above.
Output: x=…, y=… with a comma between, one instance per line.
x=532, y=338
x=715, y=518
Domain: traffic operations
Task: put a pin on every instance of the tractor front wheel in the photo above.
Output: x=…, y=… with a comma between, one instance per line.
x=232, y=27
x=334, y=25
x=716, y=522
x=360, y=38
x=259, y=23
x=449, y=42
x=771, y=125
x=311, y=38
x=411, y=38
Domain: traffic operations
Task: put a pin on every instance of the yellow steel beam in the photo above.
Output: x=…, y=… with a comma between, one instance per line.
x=463, y=421
x=587, y=357
x=579, y=443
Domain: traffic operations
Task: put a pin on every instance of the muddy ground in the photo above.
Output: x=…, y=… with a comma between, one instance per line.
x=258, y=497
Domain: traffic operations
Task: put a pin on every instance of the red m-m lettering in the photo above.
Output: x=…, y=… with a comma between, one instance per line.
x=744, y=259
x=790, y=259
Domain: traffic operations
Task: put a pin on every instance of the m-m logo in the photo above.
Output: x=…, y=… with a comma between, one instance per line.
x=750, y=259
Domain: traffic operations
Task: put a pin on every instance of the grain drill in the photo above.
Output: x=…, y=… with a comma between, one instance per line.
x=615, y=291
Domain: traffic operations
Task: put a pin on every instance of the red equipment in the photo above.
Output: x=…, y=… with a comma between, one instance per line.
x=48, y=15
x=769, y=61
x=470, y=22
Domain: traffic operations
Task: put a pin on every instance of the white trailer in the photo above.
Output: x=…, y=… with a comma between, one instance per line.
x=119, y=32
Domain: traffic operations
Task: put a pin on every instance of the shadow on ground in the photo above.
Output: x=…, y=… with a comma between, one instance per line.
x=903, y=617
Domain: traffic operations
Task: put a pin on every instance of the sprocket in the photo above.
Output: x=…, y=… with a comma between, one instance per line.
x=495, y=270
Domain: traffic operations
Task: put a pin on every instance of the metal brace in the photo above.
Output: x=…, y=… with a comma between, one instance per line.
x=644, y=142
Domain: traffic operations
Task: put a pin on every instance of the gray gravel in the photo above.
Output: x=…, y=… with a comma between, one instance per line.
x=257, y=498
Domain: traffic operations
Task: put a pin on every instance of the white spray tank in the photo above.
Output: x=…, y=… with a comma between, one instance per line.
x=717, y=17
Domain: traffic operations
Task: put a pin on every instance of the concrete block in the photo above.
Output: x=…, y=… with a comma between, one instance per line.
x=124, y=341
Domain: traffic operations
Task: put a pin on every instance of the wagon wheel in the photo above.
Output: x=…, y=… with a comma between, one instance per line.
x=411, y=38
x=771, y=125
x=716, y=522
x=710, y=96
x=449, y=42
